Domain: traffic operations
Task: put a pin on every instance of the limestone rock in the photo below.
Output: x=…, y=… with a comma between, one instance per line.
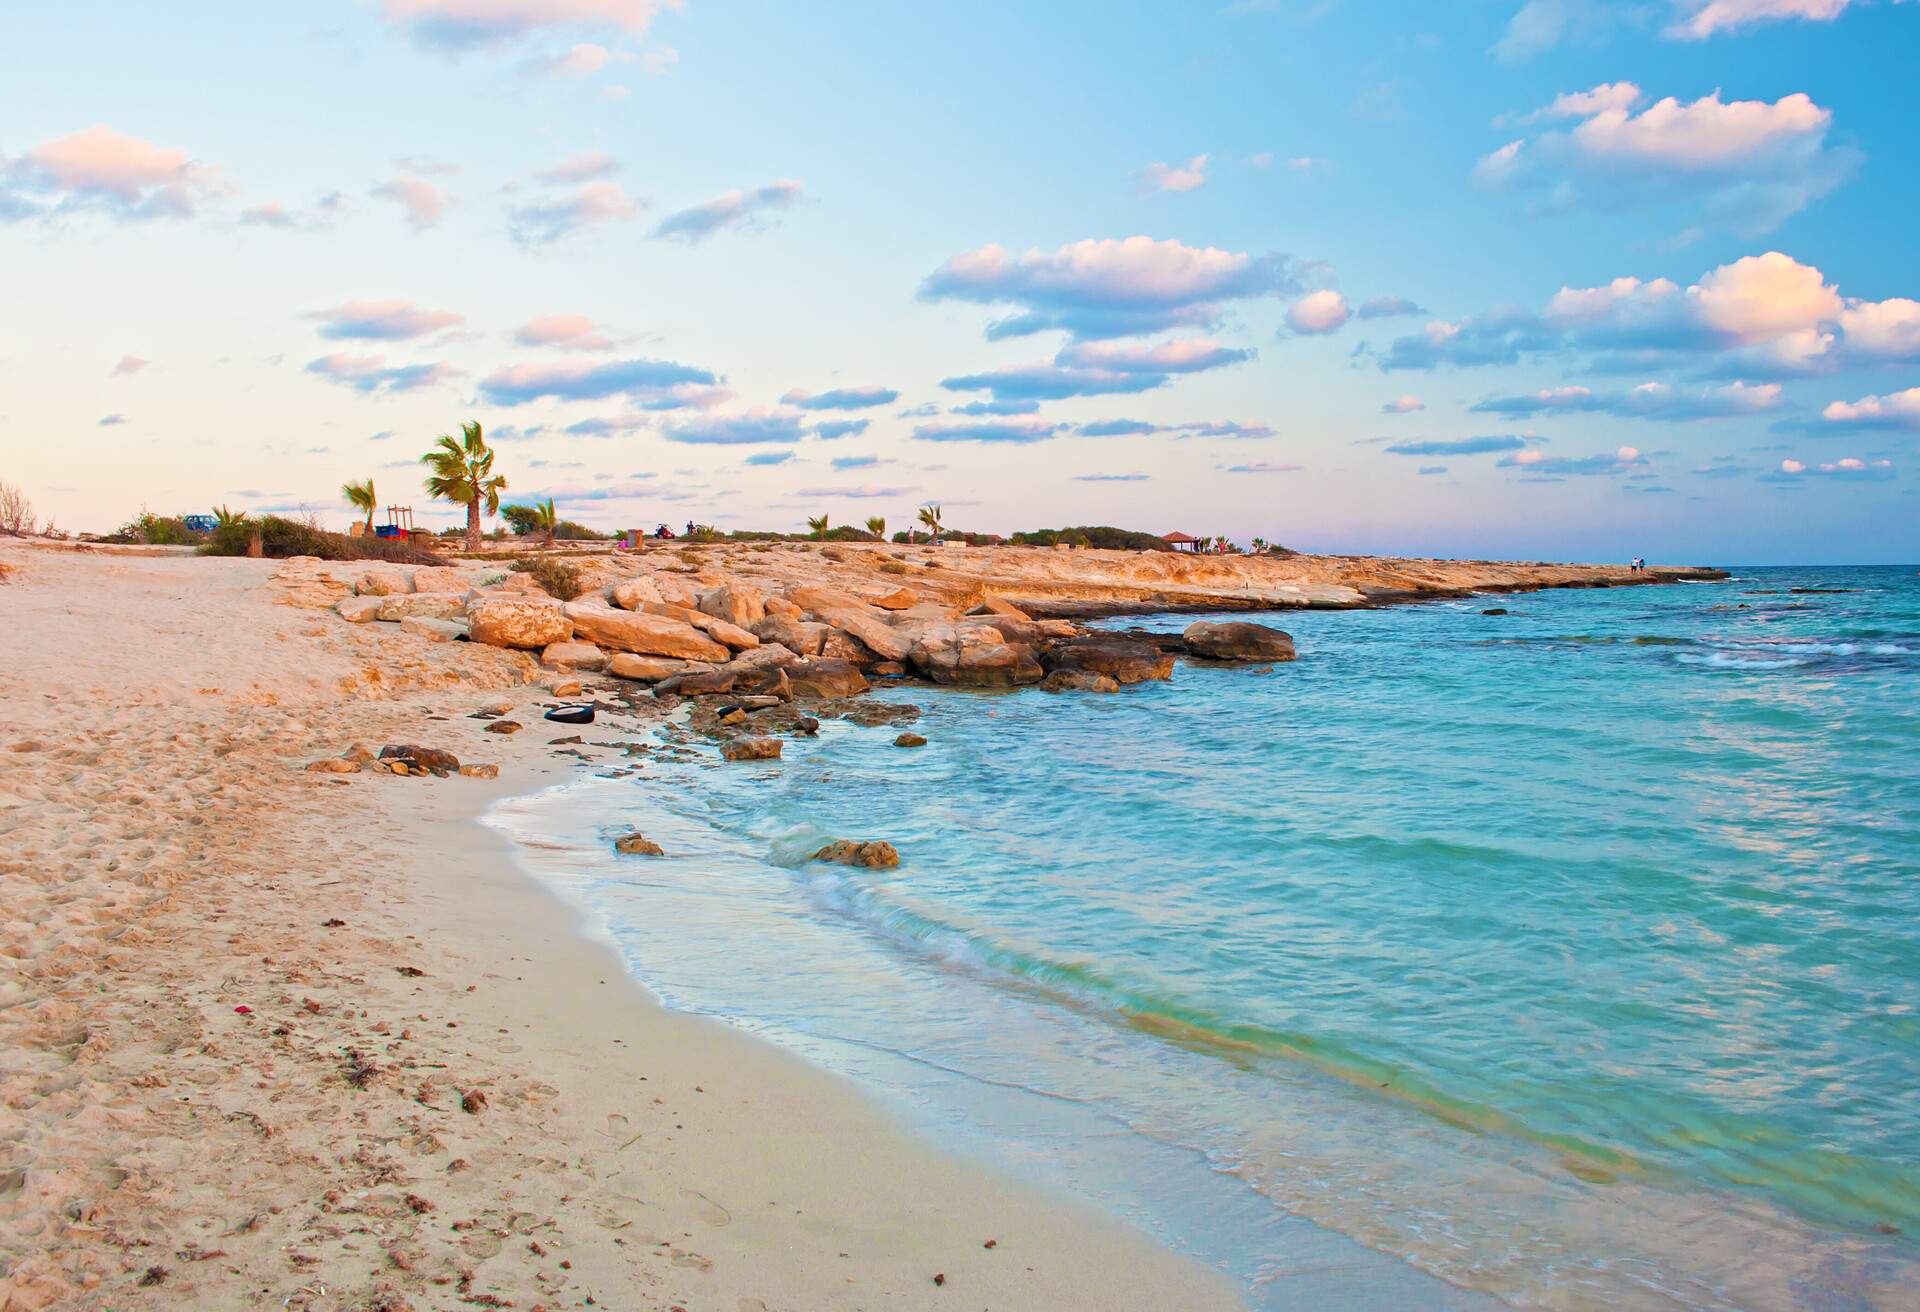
x=865, y=624
x=874, y=854
x=898, y=599
x=803, y=637
x=763, y=657
x=1237, y=640
x=838, y=646
x=738, y=604
x=425, y=605
x=358, y=610
x=784, y=608
x=973, y=656
x=382, y=585
x=480, y=771
x=999, y=606
x=909, y=740
x=638, y=844
x=637, y=631
x=634, y=594
x=437, y=578
x=751, y=749
x=573, y=655
x=433, y=630
x=504, y=726
x=647, y=669
x=825, y=678
x=334, y=765
x=527, y=623
x=1120, y=659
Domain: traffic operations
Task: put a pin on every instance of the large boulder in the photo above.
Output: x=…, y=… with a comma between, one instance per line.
x=635, y=593
x=738, y=604
x=358, y=610
x=999, y=606
x=864, y=624
x=423, y=605
x=1237, y=640
x=382, y=584
x=825, y=678
x=1120, y=659
x=573, y=656
x=438, y=578
x=529, y=623
x=838, y=646
x=974, y=656
x=819, y=597
x=637, y=631
x=872, y=854
x=751, y=749
x=802, y=636
x=785, y=609
x=764, y=657
x=898, y=599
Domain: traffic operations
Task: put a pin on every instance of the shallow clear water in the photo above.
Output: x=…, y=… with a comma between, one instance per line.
x=1570, y=955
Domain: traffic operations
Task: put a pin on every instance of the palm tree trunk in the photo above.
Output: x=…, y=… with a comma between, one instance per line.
x=473, y=524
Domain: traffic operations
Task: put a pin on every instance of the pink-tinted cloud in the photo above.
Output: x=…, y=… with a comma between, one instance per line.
x=580, y=168
x=383, y=321
x=1704, y=18
x=565, y=332
x=129, y=364
x=467, y=24
x=1900, y=410
x=425, y=203
x=591, y=206
x=1404, y=405
x=1318, y=313
x=372, y=374
x=734, y=209
x=104, y=171
x=841, y=398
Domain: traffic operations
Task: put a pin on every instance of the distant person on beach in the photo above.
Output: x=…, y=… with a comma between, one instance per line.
x=689, y=528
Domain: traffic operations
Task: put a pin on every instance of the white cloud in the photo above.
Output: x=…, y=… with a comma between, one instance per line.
x=566, y=332
x=593, y=205
x=1888, y=329
x=1318, y=312
x=1707, y=17
x=1900, y=410
x=467, y=24
x=1174, y=177
x=734, y=209
x=425, y=203
x=585, y=167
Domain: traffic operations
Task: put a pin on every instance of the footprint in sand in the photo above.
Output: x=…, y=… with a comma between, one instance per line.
x=706, y=1209
x=616, y=1126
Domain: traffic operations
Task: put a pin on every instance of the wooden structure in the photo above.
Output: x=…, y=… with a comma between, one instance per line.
x=399, y=523
x=1180, y=541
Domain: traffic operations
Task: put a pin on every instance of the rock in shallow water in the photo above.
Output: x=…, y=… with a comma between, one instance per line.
x=1237, y=640
x=751, y=749
x=1078, y=681
x=1119, y=659
x=637, y=844
x=873, y=854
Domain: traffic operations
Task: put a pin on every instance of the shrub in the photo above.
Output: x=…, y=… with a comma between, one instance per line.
x=281, y=537
x=568, y=531
x=150, y=529
x=556, y=576
x=1097, y=535
x=892, y=567
x=16, y=512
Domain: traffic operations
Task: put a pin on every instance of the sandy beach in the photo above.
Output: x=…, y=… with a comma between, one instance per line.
x=287, y=1038
x=249, y=1003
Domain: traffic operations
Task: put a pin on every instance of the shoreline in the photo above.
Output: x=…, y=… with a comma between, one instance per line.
x=297, y=1040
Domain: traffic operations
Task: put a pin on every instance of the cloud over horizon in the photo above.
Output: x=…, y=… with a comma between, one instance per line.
x=733, y=209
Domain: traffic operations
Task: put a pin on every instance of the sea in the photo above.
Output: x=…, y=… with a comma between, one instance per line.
x=1564, y=958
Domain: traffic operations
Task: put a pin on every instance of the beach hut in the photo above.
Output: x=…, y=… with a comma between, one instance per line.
x=1180, y=541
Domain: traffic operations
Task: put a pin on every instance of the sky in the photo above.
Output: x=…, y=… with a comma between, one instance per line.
x=1540, y=279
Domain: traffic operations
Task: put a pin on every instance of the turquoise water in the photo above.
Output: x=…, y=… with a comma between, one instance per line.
x=1570, y=955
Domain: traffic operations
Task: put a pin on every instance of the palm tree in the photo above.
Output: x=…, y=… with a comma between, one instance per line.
x=463, y=474
x=546, y=519
x=360, y=496
x=1259, y=546
x=818, y=524
x=930, y=516
x=877, y=526
x=228, y=518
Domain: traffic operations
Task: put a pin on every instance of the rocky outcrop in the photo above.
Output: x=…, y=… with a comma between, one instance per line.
x=992, y=606
x=1236, y=640
x=1120, y=659
x=530, y=624
x=825, y=678
x=426, y=605
x=973, y=656
x=839, y=646
x=873, y=854
x=642, y=633
x=423, y=626
x=882, y=638
x=572, y=655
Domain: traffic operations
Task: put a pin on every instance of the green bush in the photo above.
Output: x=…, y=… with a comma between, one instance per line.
x=281, y=537
x=555, y=575
x=1096, y=535
x=156, y=530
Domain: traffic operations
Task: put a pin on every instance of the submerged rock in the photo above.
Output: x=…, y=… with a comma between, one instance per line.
x=638, y=844
x=1238, y=640
x=910, y=740
x=1078, y=681
x=873, y=854
x=751, y=749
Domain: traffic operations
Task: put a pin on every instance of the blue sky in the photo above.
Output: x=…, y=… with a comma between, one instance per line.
x=1539, y=278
